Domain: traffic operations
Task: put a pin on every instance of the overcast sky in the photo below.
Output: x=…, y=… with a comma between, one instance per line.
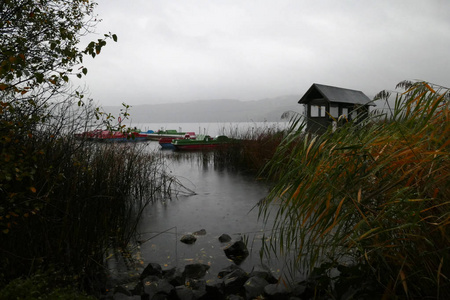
x=172, y=51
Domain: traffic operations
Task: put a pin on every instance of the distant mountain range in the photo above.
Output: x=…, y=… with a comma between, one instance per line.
x=223, y=110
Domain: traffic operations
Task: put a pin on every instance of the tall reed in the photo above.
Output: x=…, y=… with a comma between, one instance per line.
x=86, y=197
x=376, y=195
x=251, y=150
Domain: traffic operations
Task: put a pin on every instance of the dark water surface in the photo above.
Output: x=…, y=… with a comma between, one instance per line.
x=224, y=201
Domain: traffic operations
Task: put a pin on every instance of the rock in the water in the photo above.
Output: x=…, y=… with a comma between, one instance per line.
x=195, y=271
x=152, y=269
x=224, y=238
x=173, y=276
x=214, y=288
x=233, y=282
x=228, y=270
x=237, y=252
x=276, y=291
x=235, y=297
x=254, y=287
x=200, y=232
x=184, y=293
x=263, y=273
x=188, y=239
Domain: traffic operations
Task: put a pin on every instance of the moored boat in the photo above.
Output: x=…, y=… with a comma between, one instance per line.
x=202, y=142
x=112, y=136
x=166, y=142
x=169, y=133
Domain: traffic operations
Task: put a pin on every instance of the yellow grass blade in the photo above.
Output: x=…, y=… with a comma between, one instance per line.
x=368, y=233
x=430, y=88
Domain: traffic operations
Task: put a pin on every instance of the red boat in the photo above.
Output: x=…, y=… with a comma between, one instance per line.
x=111, y=136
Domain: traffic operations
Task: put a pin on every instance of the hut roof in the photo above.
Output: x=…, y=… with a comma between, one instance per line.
x=335, y=94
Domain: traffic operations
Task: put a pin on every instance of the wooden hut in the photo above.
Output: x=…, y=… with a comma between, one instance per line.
x=329, y=105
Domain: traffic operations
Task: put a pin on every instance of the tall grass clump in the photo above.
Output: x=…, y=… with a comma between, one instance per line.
x=251, y=150
x=373, y=198
x=81, y=200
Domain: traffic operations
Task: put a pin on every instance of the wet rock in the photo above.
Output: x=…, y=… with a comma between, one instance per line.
x=152, y=269
x=195, y=271
x=197, y=286
x=237, y=252
x=263, y=273
x=138, y=289
x=298, y=290
x=184, y=293
x=174, y=276
x=235, y=297
x=276, y=291
x=160, y=289
x=161, y=297
x=214, y=288
x=200, y=232
x=254, y=287
x=122, y=290
x=233, y=283
x=228, y=270
x=224, y=238
x=120, y=296
x=188, y=239
x=122, y=293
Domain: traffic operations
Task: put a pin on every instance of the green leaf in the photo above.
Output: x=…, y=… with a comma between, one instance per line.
x=39, y=77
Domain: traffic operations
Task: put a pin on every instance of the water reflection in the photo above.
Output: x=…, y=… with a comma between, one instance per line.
x=224, y=201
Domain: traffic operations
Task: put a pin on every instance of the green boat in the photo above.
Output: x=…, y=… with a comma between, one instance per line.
x=169, y=133
x=202, y=142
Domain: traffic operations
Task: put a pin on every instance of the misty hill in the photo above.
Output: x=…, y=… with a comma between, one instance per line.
x=224, y=110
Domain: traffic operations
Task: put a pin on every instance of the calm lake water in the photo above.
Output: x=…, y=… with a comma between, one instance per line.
x=224, y=201
x=213, y=129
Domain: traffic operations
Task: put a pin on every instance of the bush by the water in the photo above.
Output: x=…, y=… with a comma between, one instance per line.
x=80, y=199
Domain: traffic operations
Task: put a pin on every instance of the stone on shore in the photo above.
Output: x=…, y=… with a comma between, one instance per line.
x=152, y=269
x=195, y=271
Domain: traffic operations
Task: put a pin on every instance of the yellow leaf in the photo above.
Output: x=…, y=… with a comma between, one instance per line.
x=5, y=231
x=33, y=189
